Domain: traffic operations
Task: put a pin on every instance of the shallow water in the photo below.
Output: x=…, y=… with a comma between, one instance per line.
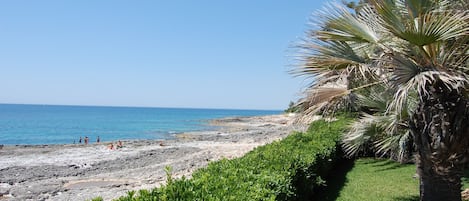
x=49, y=124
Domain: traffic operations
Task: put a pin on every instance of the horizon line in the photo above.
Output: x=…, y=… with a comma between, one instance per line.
x=129, y=106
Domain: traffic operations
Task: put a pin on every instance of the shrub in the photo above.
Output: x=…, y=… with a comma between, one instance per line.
x=289, y=169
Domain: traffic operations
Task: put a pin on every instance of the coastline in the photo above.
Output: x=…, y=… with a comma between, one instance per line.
x=83, y=172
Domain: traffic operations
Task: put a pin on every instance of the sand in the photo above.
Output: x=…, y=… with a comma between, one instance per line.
x=83, y=172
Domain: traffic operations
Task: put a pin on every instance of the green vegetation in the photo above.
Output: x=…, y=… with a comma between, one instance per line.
x=289, y=169
x=370, y=179
x=292, y=108
x=465, y=179
x=294, y=169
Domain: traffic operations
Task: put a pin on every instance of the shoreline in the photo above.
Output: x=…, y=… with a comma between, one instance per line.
x=211, y=125
x=83, y=172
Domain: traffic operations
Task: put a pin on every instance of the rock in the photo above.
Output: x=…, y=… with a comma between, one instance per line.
x=465, y=195
x=4, y=189
x=45, y=196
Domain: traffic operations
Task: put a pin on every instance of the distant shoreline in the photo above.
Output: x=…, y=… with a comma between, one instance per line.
x=214, y=124
x=50, y=125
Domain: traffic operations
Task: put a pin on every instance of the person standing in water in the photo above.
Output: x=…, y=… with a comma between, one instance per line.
x=98, y=140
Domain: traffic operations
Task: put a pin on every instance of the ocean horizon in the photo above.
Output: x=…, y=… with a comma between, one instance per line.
x=30, y=124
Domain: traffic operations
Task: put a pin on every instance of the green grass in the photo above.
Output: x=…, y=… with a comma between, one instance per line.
x=373, y=180
x=465, y=180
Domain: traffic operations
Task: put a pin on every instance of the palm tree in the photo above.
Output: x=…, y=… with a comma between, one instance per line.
x=377, y=132
x=418, y=50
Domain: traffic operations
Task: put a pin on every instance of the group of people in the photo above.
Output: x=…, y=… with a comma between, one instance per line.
x=110, y=146
x=87, y=140
x=118, y=145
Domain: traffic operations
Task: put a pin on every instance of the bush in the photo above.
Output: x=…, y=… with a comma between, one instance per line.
x=289, y=169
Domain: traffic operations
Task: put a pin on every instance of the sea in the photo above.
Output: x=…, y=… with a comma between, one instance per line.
x=53, y=124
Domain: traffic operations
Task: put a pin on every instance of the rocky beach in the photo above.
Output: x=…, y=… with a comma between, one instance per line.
x=83, y=172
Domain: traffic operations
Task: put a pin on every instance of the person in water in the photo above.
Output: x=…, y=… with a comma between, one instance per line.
x=98, y=140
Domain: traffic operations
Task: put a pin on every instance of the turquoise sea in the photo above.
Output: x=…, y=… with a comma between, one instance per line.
x=51, y=124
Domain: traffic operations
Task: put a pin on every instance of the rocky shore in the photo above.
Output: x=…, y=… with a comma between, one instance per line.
x=83, y=172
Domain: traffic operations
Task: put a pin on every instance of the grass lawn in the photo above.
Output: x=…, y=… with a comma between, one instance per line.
x=373, y=180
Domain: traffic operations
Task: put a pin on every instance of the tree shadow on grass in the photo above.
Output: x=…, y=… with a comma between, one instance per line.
x=382, y=162
x=335, y=181
x=407, y=198
x=385, y=165
x=390, y=167
x=466, y=174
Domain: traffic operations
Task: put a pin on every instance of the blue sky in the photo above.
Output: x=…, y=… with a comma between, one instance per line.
x=198, y=54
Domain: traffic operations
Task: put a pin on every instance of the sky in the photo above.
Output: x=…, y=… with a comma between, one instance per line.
x=155, y=53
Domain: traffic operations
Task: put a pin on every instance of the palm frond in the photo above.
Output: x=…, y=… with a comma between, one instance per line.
x=376, y=99
x=372, y=133
x=404, y=69
x=454, y=56
x=360, y=134
x=405, y=146
x=316, y=96
x=396, y=146
x=308, y=115
x=423, y=24
x=338, y=24
x=419, y=84
x=391, y=14
x=387, y=144
x=340, y=49
x=415, y=8
x=444, y=26
x=328, y=56
x=320, y=99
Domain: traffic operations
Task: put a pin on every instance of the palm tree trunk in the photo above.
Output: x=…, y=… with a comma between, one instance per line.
x=435, y=186
x=440, y=128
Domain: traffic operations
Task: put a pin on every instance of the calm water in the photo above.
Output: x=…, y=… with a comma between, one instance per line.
x=46, y=124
